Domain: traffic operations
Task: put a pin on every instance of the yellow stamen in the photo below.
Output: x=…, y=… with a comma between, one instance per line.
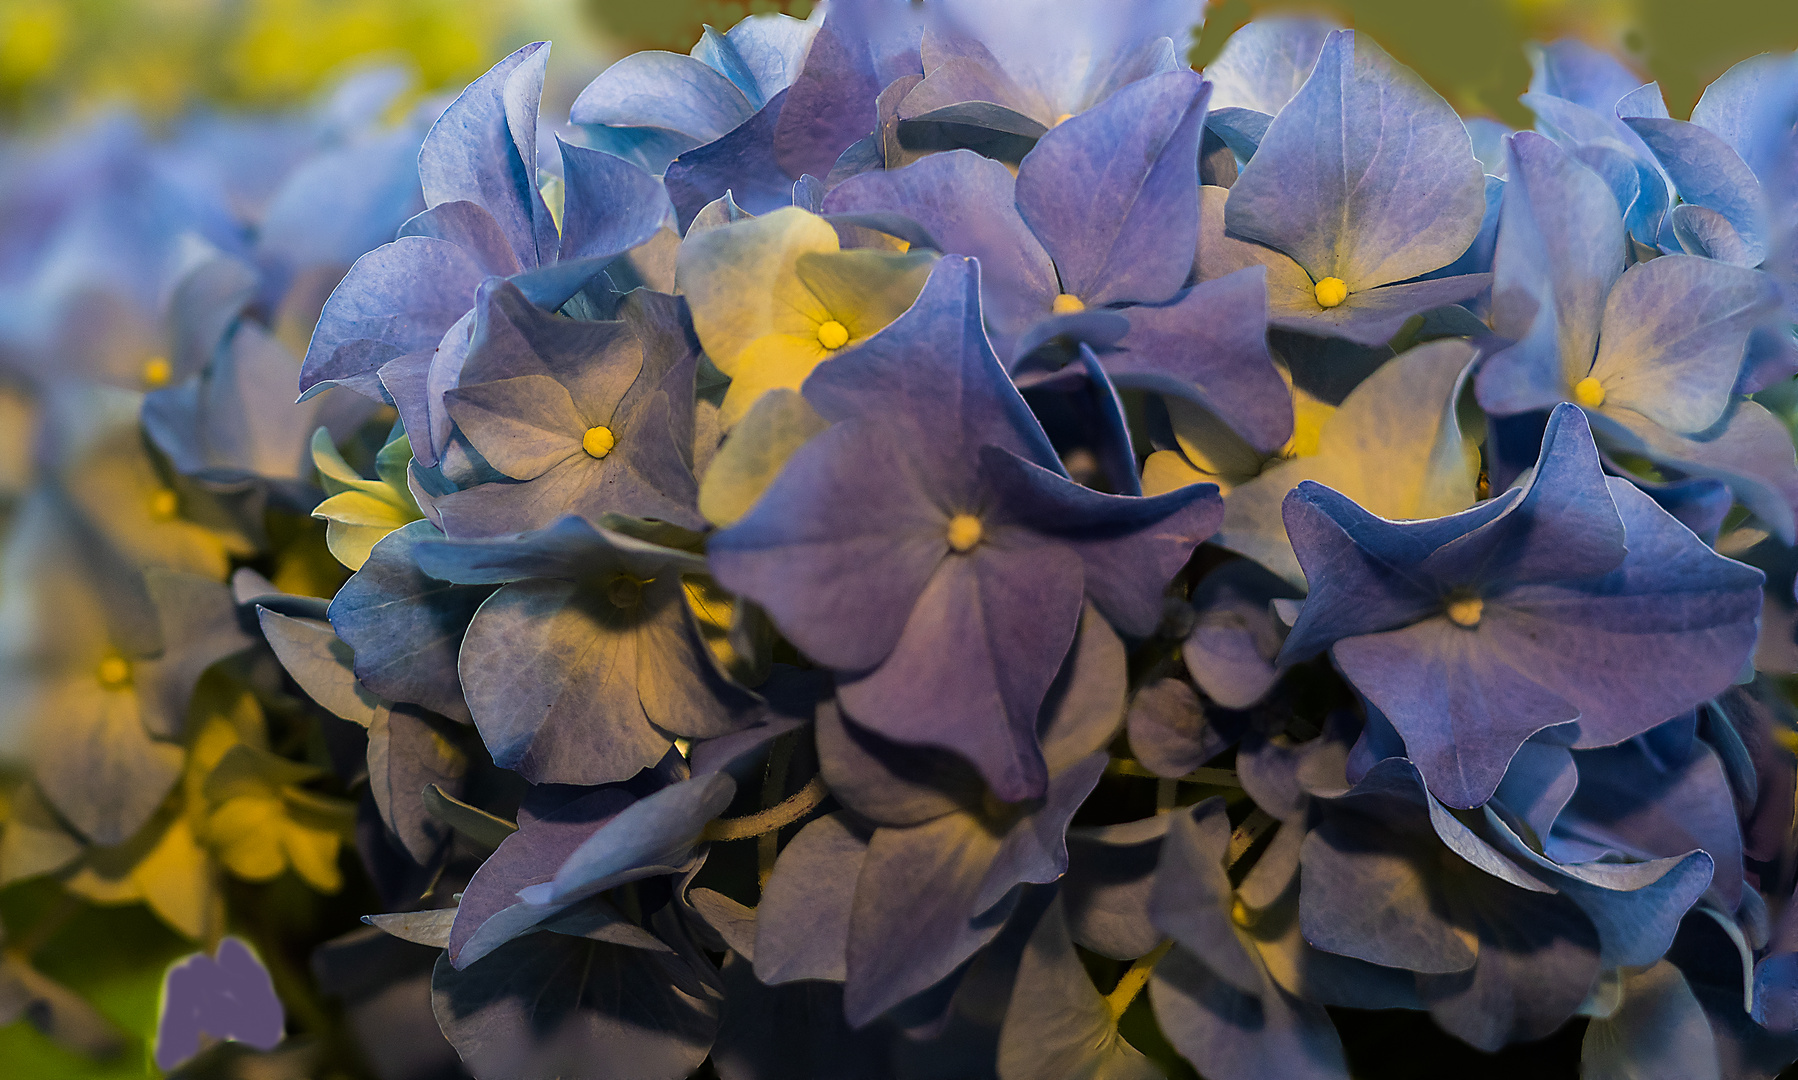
x=1062, y=119
x=157, y=372
x=1240, y=913
x=114, y=672
x=625, y=592
x=1588, y=393
x=964, y=531
x=1067, y=304
x=598, y=441
x=1331, y=291
x=833, y=335
x=1466, y=611
x=163, y=504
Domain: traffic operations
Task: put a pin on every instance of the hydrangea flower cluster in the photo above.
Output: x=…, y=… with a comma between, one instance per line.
x=936, y=540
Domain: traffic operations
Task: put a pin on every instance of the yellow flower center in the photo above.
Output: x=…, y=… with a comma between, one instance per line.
x=1331, y=291
x=833, y=335
x=157, y=372
x=1062, y=119
x=625, y=592
x=114, y=672
x=1067, y=304
x=1466, y=611
x=163, y=504
x=1240, y=913
x=964, y=531
x=598, y=441
x=1588, y=393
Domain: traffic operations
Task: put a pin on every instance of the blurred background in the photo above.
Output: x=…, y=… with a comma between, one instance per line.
x=61, y=59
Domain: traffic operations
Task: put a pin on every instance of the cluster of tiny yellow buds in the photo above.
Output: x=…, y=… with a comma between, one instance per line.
x=1331, y=291
x=157, y=372
x=964, y=531
x=1588, y=393
x=114, y=672
x=1466, y=611
x=833, y=335
x=1067, y=304
x=598, y=441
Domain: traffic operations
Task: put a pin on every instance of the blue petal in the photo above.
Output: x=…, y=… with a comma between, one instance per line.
x=741, y=163
x=610, y=205
x=1209, y=345
x=1561, y=246
x=483, y=149
x=399, y=298
x=1264, y=63
x=968, y=203
x=1109, y=192
x=1324, y=188
x=831, y=103
x=405, y=626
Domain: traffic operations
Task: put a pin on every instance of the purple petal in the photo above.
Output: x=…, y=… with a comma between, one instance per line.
x=1749, y=449
x=1236, y=1036
x=1561, y=246
x=523, y=426
x=1673, y=337
x=1669, y=628
x=470, y=227
x=1264, y=63
x=610, y=207
x=1109, y=192
x=549, y=670
x=1373, y=316
x=968, y=203
x=741, y=163
x=802, y=922
x=664, y=91
x=1210, y=346
x=1170, y=732
x=824, y=520
x=1131, y=546
x=548, y=832
x=914, y=919
x=1013, y=612
x=832, y=104
x=1707, y=172
x=1462, y=710
x=1365, y=142
x=1192, y=897
x=397, y=299
x=483, y=150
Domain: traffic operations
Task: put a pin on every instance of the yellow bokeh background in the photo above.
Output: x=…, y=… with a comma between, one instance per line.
x=64, y=58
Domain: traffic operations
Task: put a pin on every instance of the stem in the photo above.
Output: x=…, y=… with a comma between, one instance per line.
x=67, y=905
x=1213, y=777
x=1244, y=836
x=1135, y=979
x=770, y=821
x=1166, y=795
x=767, y=844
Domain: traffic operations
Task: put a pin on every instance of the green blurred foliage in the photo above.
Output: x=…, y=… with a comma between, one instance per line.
x=113, y=957
x=676, y=24
x=58, y=56
x=1473, y=50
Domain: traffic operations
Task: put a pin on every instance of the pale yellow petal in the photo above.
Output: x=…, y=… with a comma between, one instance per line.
x=776, y=361
x=741, y=284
